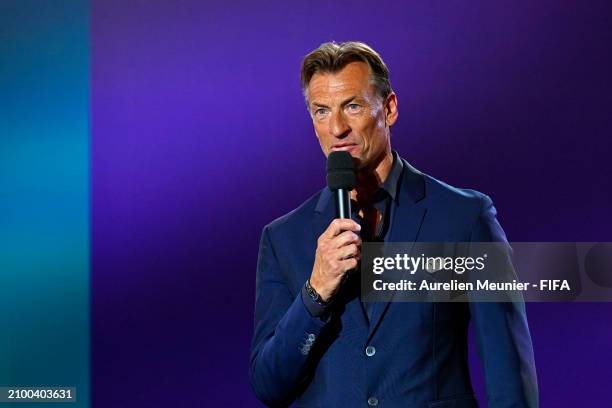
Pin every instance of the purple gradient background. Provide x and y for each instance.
(200, 138)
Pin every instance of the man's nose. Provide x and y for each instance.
(338, 126)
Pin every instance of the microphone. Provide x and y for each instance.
(341, 180)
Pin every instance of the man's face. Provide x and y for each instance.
(348, 114)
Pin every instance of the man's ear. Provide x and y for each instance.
(391, 109)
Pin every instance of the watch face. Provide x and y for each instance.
(312, 293)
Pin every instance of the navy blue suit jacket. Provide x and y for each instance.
(420, 349)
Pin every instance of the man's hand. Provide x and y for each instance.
(338, 251)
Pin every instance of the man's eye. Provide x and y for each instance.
(320, 112)
(353, 107)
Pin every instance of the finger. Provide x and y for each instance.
(341, 224)
(345, 238)
(348, 264)
(348, 251)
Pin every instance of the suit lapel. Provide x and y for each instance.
(407, 217)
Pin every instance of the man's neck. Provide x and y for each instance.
(370, 178)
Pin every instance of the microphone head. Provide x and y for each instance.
(340, 171)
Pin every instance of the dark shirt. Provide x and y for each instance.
(383, 198)
(386, 194)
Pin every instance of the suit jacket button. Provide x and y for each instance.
(370, 351)
(372, 401)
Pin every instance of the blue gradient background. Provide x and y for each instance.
(44, 195)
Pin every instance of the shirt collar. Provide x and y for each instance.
(390, 185)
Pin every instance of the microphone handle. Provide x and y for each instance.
(343, 203)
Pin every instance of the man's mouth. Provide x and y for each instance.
(344, 147)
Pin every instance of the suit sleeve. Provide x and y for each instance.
(284, 333)
(502, 335)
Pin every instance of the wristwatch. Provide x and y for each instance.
(314, 295)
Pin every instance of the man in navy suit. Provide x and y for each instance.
(315, 342)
